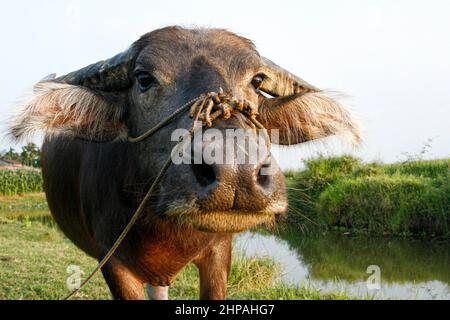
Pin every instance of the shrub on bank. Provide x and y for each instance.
(385, 204)
(401, 198)
(426, 168)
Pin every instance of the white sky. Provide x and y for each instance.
(392, 58)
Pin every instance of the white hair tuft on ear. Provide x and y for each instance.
(309, 116)
(59, 108)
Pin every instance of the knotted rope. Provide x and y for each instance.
(206, 108)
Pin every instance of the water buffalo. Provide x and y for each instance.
(94, 178)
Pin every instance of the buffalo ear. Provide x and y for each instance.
(305, 117)
(87, 103)
(300, 111)
(76, 111)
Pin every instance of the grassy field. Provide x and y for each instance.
(402, 199)
(343, 194)
(34, 257)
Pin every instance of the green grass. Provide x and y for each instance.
(396, 204)
(33, 205)
(403, 199)
(425, 168)
(20, 181)
(34, 257)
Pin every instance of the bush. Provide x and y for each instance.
(342, 191)
(304, 187)
(20, 181)
(379, 204)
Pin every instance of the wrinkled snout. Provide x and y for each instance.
(245, 182)
(228, 173)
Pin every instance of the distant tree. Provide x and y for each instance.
(30, 155)
(11, 154)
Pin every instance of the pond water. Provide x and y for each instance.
(408, 269)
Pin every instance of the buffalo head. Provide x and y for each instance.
(131, 92)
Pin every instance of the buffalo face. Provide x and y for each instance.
(132, 92)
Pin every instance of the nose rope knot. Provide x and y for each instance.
(214, 105)
(206, 108)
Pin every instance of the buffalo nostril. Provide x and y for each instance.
(204, 173)
(264, 177)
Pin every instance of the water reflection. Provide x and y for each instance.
(409, 269)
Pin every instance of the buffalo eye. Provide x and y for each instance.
(145, 80)
(257, 80)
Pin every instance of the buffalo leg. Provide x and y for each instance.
(214, 266)
(157, 293)
(122, 283)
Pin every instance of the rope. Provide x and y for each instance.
(224, 104)
(126, 230)
(163, 122)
